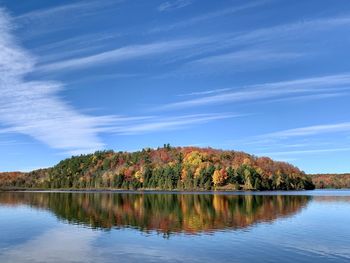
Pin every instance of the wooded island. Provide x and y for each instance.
(166, 168)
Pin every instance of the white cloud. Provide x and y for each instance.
(48, 13)
(34, 108)
(304, 98)
(212, 15)
(311, 130)
(241, 60)
(298, 152)
(284, 89)
(11, 142)
(205, 92)
(246, 56)
(170, 123)
(291, 30)
(307, 140)
(63, 244)
(75, 46)
(58, 17)
(288, 39)
(173, 5)
(122, 54)
(263, 51)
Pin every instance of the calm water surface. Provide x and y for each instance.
(132, 227)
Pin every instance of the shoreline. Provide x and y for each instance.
(157, 191)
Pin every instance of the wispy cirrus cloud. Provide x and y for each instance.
(205, 92)
(283, 89)
(311, 130)
(34, 108)
(299, 152)
(80, 45)
(292, 30)
(208, 16)
(123, 54)
(276, 40)
(158, 124)
(173, 5)
(313, 139)
(61, 10)
(303, 98)
(196, 54)
(12, 142)
(59, 17)
(241, 60)
(245, 56)
(303, 140)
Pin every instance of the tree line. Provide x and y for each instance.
(336, 181)
(166, 168)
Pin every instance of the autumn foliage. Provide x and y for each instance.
(331, 180)
(166, 168)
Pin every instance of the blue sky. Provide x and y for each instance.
(266, 77)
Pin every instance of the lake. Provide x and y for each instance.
(308, 226)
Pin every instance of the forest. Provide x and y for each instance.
(336, 181)
(164, 168)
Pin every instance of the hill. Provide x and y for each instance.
(166, 168)
(331, 180)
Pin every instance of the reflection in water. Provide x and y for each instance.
(332, 199)
(165, 213)
(48, 246)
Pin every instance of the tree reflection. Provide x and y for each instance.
(164, 213)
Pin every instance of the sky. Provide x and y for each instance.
(268, 77)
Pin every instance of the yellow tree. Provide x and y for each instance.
(138, 176)
(194, 158)
(184, 174)
(219, 177)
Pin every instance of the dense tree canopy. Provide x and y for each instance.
(167, 168)
(331, 180)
